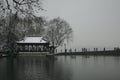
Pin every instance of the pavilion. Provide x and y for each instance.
(33, 45)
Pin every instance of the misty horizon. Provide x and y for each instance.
(95, 23)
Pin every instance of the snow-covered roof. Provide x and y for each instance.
(33, 40)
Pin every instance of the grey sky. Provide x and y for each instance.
(96, 23)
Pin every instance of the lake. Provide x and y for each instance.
(61, 68)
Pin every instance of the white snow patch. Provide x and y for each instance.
(33, 40)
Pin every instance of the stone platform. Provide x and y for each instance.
(33, 53)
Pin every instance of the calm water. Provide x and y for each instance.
(61, 68)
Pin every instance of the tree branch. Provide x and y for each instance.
(8, 6)
(23, 2)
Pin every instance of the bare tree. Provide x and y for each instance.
(37, 27)
(58, 31)
(24, 7)
(14, 9)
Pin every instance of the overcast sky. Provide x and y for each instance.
(96, 23)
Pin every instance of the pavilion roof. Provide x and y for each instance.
(33, 40)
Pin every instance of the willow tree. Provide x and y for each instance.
(15, 9)
(58, 32)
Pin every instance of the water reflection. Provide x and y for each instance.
(60, 68)
(32, 68)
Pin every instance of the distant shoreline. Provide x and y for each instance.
(114, 53)
(94, 53)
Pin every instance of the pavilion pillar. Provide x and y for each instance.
(41, 47)
(28, 47)
(19, 48)
(32, 47)
(23, 48)
(37, 48)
